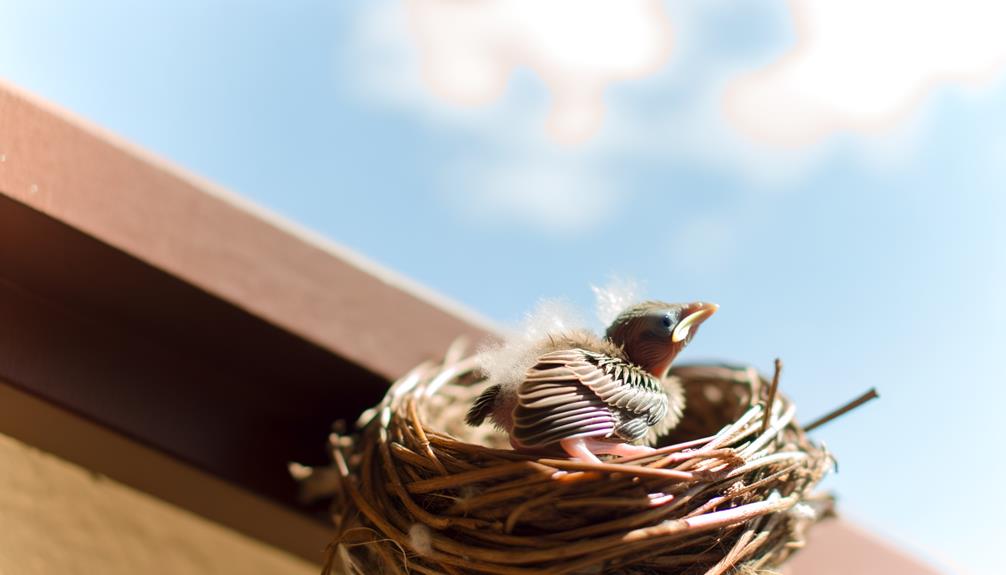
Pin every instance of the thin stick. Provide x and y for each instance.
(771, 397)
(494, 472)
(636, 470)
(871, 394)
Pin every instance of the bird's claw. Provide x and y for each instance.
(587, 449)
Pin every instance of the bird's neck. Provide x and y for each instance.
(657, 367)
(660, 372)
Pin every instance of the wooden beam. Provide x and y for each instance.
(210, 238)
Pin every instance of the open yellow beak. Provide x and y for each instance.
(695, 314)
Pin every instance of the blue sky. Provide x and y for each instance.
(861, 258)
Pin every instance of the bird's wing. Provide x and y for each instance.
(578, 393)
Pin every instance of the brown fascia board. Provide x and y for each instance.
(104, 335)
(162, 331)
(208, 237)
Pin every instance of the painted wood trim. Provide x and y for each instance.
(209, 237)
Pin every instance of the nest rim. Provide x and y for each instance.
(416, 497)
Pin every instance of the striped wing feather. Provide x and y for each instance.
(578, 393)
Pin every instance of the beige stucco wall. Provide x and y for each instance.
(56, 517)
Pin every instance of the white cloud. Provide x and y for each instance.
(695, 133)
(864, 66)
(470, 49)
(516, 174)
(858, 66)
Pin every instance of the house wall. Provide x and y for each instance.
(57, 517)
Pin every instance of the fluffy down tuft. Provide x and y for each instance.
(613, 298)
(507, 363)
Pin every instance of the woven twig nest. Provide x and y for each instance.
(422, 492)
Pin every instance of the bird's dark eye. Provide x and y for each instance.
(667, 320)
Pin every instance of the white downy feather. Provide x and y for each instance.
(507, 362)
(615, 296)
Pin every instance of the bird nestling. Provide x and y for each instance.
(598, 396)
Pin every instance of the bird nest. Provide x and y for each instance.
(731, 489)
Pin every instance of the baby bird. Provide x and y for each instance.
(598, 396)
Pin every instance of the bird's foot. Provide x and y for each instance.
(587, 449)
(628, 450)
(577, 448)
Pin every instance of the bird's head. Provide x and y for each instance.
(652, 333)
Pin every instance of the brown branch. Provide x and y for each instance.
(871, 394)
(771, 397)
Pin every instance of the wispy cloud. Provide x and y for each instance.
(865, 66)
(468, 51)
(857, 67)
(418, 55)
